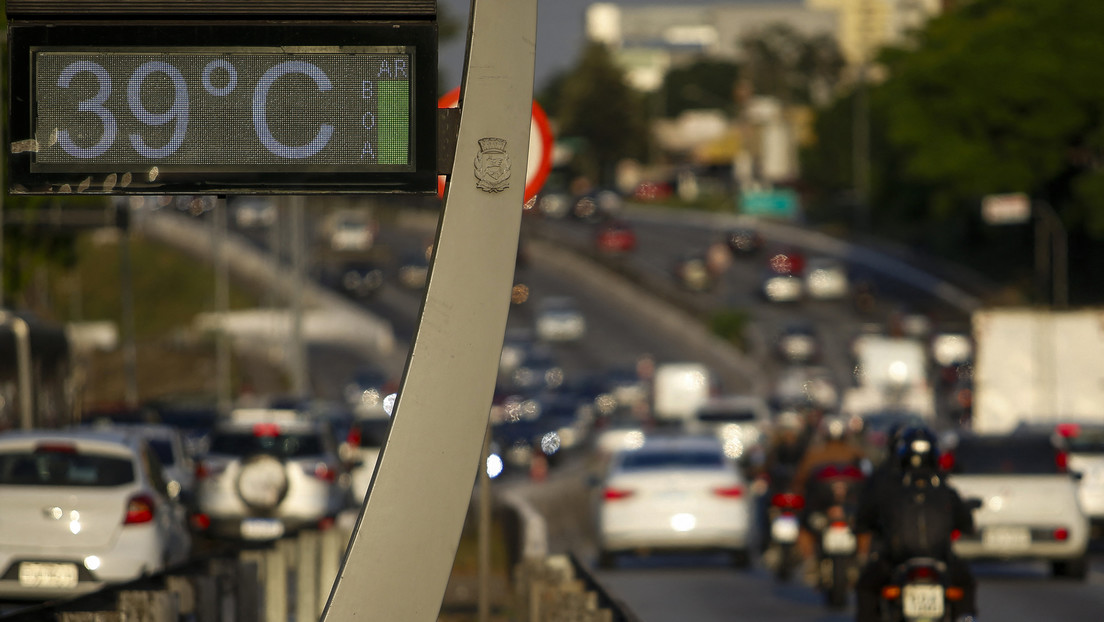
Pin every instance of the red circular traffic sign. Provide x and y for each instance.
(540, 147)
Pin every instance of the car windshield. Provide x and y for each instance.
(280, 445)
(373, 432)
(727, 416)
(1006, 455)
(164, 450)
(694, 459)
(64, 469)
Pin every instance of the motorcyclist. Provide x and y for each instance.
(785, 451)
(888, 535)
(884, 476)
(833, 448)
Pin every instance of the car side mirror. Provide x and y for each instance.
(974, 504)
(1076, 475)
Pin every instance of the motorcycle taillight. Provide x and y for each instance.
(788, 501)
(921, 572)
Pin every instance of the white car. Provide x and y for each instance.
(558, 318)
(1029, 504)
(826, 279)
(83, 508)
(268, 473)
(674, 493)
(361, 450)
(782, 287)
(739, 421)
(170, 447)
(1085, 443)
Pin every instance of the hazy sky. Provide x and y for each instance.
(559, 33)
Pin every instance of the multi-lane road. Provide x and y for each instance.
(625, 322)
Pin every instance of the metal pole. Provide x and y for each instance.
(126, 279)
(1060, 245)
(1042, 250)
(222, 307)
(298, 350)
(22, 334)
(1051, 254)
(403, 545)
(861, 152)
(484, 597)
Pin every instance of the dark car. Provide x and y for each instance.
(744, 241)
(615, 236)
(356, 279)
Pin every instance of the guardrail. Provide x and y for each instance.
(290, 579)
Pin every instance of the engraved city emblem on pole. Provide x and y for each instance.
(492, 165)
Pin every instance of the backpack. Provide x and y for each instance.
(919, 518)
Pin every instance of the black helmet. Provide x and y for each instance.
(917, 449)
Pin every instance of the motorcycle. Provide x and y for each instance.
(831, 522)
(782, 551)
(920, 592)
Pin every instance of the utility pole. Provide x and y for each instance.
(222, 307)
(298, 354)
(126, 280)
(861, 124)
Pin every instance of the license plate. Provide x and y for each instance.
(41, 574)
(261, 529)
(784, 529)
(1006, 538)
(838, 540)
(922, 601)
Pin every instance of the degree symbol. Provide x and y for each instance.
(231, 82)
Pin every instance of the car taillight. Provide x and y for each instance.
(946, 461)
(204, 469)
(139, 510)
(324, 472)
(1068, 430)
(55, 448)
(1061, 534)
(201, 521)
(729, 492)
(1061, 460)
(955, 534)
(616, 494)
(266, 430)
(353, 438)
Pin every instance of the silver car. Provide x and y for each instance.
(268, 473)
(83, 508)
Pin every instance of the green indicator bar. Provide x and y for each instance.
(394, 121)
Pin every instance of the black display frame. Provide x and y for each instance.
(179, 35)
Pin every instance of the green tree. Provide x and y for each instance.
(795, 68)
(596, 104)
(703, 84)
(1005, 95)
(994, 96)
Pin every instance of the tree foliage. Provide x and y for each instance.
(1003, 96)
(994, 96)
(795, 68)
(597, 104)
(702, 84)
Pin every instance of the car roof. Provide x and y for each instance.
(678, 442)
(730, 402)
(112, 440)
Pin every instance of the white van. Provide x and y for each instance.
(680, 389)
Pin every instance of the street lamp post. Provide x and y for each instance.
(21, 332)
(1051, 253)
